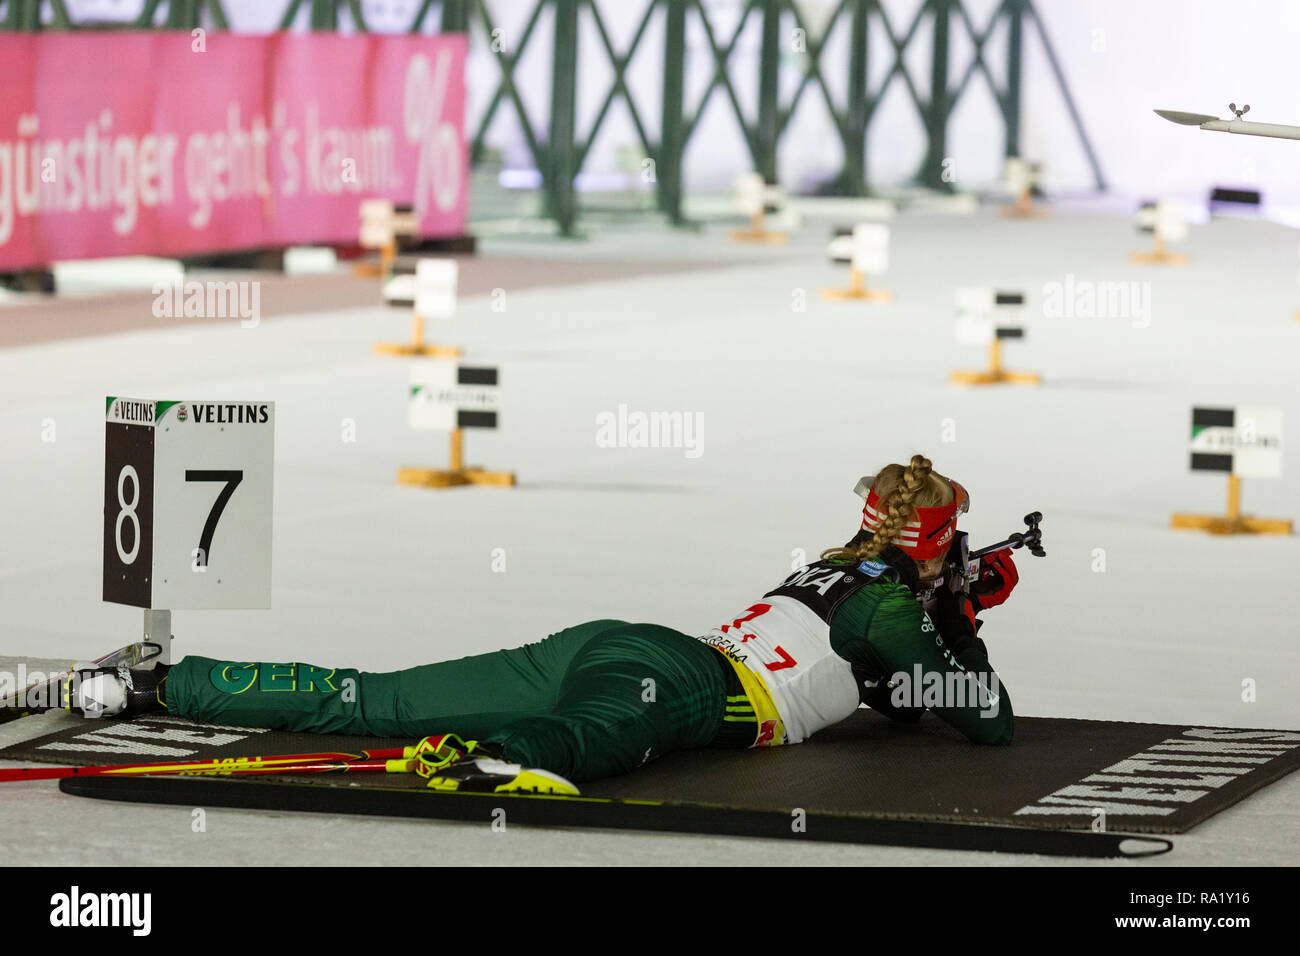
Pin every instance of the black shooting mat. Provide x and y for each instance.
(1147, 778)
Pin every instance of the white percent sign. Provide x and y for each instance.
(439, 163)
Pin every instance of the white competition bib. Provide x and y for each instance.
(785, 640)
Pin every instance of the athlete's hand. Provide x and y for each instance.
(996, 579)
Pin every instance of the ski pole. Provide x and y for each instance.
(390, 760)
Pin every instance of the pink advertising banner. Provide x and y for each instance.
(167, 143)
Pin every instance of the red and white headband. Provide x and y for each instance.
(930, 531)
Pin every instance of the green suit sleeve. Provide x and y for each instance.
(893, 636)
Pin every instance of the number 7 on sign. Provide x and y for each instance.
(232, 480)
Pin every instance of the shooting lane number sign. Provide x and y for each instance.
(187, 503)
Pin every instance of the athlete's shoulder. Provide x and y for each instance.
(888, 598)
(896, 601)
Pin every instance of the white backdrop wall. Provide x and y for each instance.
(1121, 58)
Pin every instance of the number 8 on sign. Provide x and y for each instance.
(128, 513)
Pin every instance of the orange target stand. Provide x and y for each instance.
(1234, 522)
(857, 289)
(864, 248)
(1020, 178)
(755, 198)
(417, 346)
(383, 224)
(1165, 221)
(429, 291)
(448, 396)
(455, 473)
(995, 374)
(1159, 255)
(1244, 442)
(987, 315)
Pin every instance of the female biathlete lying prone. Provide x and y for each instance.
(604, 697)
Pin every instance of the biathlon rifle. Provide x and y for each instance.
(1032, 538)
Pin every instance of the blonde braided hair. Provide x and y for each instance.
(902, 489)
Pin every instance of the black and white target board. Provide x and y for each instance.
(985, 313)
(1245, 441)
(1164, 218)
(430, 289)
(1020, 176)
(446, 395)
(187, 503)
(865, 247)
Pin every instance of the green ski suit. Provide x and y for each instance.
(593, 700)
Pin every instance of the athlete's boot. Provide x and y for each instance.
(471, 766)
(113, 691)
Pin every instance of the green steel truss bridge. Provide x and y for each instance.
(559, 149)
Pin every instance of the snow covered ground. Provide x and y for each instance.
(795, 406)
